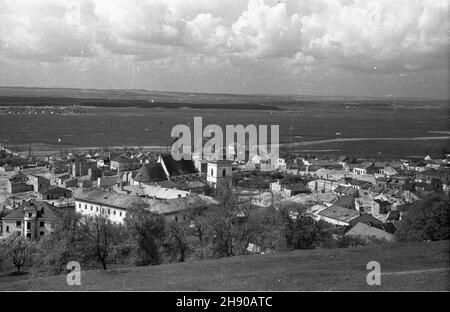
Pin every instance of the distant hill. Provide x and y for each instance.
(411, 266)
(186, 97)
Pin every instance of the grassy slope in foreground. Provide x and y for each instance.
(327, 269)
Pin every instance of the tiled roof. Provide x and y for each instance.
(44, 210)
(339, 213)
(175, 205)
(55, 190)
(109, 181)
(365, 230)
(111, 199)
(178, 167)
(153, 172)
(156, 191)
(345, 200)
(167, 206)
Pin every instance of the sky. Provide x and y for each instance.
(380, 48)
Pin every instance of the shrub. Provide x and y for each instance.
(427, 219)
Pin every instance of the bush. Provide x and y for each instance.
(427, 219)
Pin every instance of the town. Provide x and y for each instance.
(356, 198)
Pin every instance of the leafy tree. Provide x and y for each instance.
(20, 250)
(228, 227)
(146, 231)
(427, 219)
(66, 243)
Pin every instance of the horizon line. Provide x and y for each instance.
(230, 93)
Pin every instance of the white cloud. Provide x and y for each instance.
(399, 35)
(247, 38)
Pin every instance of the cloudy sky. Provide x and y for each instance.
(317, 47)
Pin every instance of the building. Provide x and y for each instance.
(380, 206)
(345, 190)
(346, 201)
(398, 183)
(182, 169)
(337, 215)
(81, 168)
(150, 174)
(219, 173)
(31, 219)
(39, 183)
(55, 193)
(152, 191)
(18, 184)
(366, 232)
(94, 173)
(364, 168)
(287, 190)
(320, 185)
(124, 163)
(116, 206)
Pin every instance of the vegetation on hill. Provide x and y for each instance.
(427, 219)
(404, 266)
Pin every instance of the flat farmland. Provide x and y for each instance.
(305, 123)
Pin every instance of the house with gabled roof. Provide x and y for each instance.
(32, 219)
(366, 231)
(338, 215)
(364, 168)
(182, 169)
(18, 184)
(116, 206)
(150, 174)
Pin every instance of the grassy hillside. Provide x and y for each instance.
(412, 266)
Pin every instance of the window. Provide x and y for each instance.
(109, 211)
(28, 225)
(79, 205)
(212, 171)
(224, 172)
(7, 229)
(28, 235)
(85, 206)
(114, 212)
(42, 223)
(41, 233)
(96, 209)
(30, 215)
(91, 207)
(18, 223)
(120, 214)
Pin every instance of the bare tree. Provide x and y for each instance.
(103, 237)
(3, 251)
(20, 250)
(229, 226)
(177, 239)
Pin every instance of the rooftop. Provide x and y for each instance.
(339, 213)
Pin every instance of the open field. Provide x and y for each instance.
(412, 266)
(353, 126)
(309, 126)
